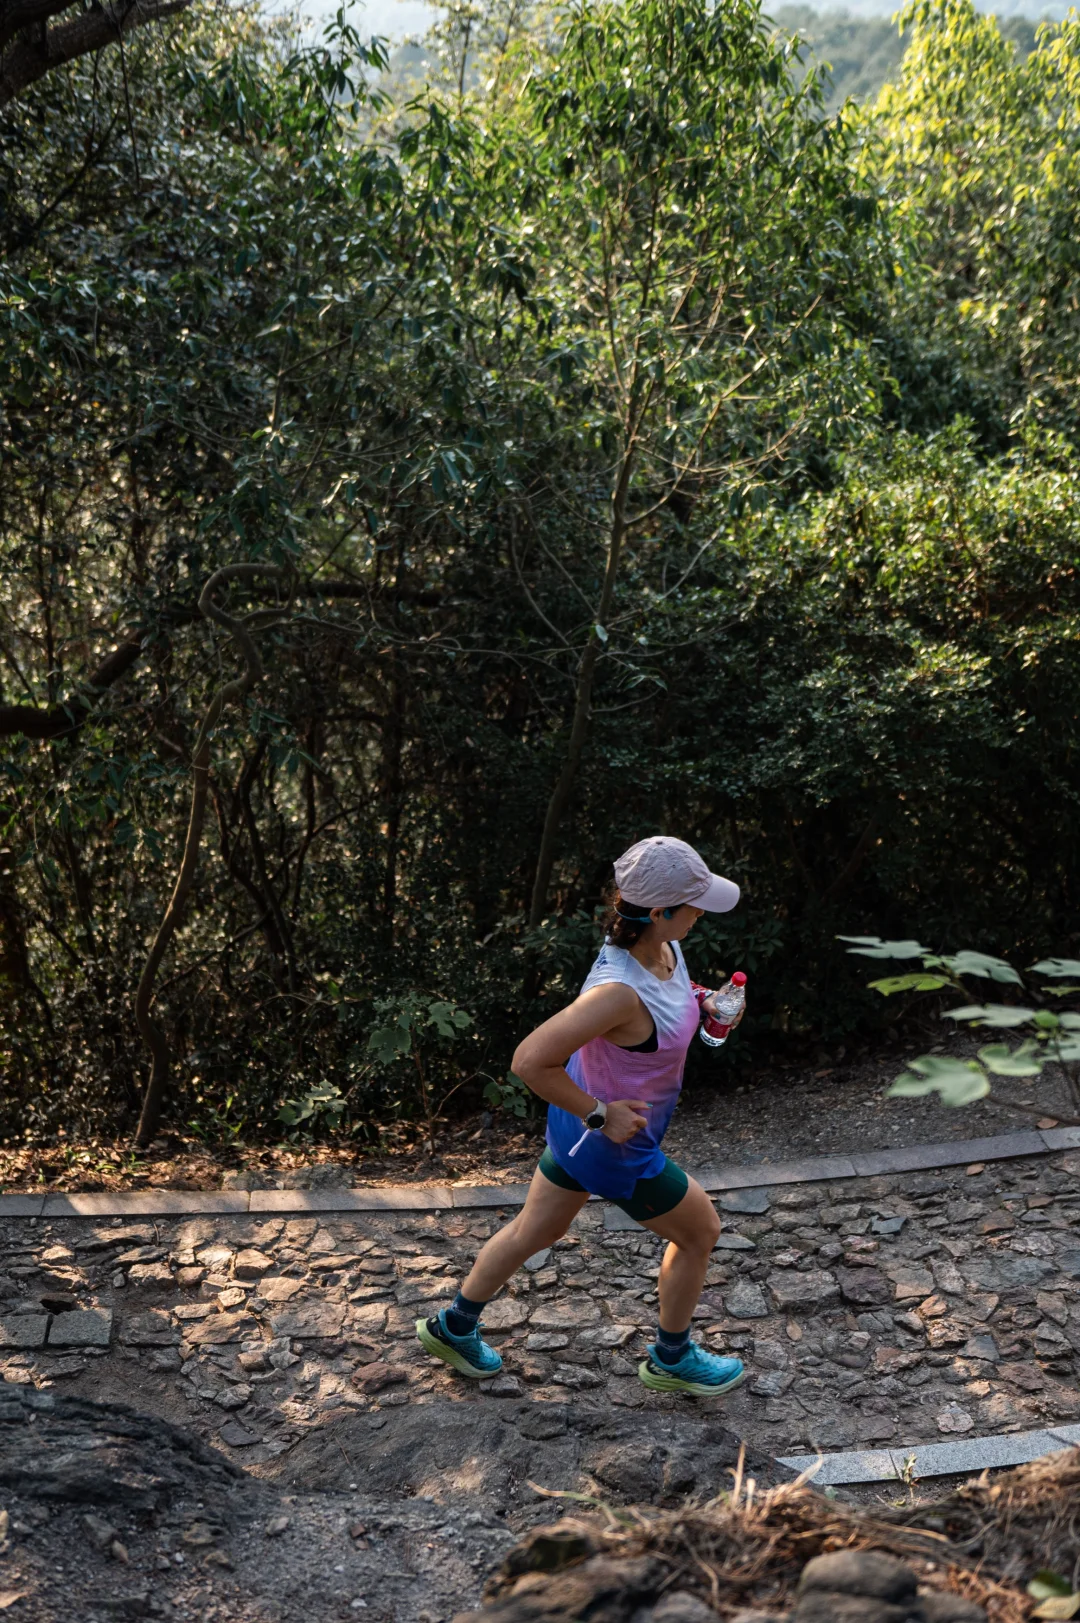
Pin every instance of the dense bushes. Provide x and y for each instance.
(840, 656)
(878, 720)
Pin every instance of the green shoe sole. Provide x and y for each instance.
(671, 1383)
(449, 1355)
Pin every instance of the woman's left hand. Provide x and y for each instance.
(709, 1005)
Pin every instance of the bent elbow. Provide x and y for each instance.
(523, 1064)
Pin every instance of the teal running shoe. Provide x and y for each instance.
(469, 1355)
(703, 1374)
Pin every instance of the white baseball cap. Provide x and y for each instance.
(663, 872)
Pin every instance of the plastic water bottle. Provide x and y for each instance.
(729, 1004)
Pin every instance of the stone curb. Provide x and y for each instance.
(437, 1198)
(961, 1458)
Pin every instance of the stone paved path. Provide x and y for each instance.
(877, 1310)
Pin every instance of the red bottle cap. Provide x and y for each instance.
(738, 979)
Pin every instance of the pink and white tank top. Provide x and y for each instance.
(609, 1072)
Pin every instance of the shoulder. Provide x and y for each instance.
(612, 995)
(610, 964)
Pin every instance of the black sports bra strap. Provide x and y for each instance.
(649, 1046)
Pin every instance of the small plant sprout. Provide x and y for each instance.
(1055, 1595)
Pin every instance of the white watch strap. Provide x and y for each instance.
(600, 1109)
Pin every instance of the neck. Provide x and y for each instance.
(648, 949)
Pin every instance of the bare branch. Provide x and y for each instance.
(64, 719)
(31, 49)
(60, 720)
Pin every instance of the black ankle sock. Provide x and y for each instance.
(461, 1315)
(671, 1344)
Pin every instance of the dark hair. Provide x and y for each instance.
(620, 931)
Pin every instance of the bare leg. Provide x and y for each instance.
(545, 1217)
(693, 1229)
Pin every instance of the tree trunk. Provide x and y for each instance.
(282, 936)
(579, 726)
(16, 981)
(393, 744)
(564, 786)
(30, 48)
(150, 1031)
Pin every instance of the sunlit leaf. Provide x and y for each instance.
(872, 946)
(909, 983)
(991, 1014)
(1027, 1060)
(1058, 1606)
(959, 1082)
(978, 963)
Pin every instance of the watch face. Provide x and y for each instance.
(594, 1121)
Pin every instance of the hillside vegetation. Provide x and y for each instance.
(408, 500)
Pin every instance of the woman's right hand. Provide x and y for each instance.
(623, 1120)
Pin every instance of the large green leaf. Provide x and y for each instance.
(959, 1082)
(448, 1020)
(872, 946)
(1066, 1048)
(909, 983)
(978, 963)
(389, 1043)
(1057, 968)
(991, 1014)
(1027, 1060)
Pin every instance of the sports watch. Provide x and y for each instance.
(597, 1116)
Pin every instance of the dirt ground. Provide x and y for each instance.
(397, 1517)
(825, 1104)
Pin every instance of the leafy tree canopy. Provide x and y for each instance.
(613, 438)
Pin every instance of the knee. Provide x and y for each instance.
(707, 1232)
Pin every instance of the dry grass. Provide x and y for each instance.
(1019, 1521)
(747, 1548)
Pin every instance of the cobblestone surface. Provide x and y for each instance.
(874, 1311)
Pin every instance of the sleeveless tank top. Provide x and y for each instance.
(609, 1072)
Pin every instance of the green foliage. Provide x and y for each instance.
(400, 348)
(511, 1096)
(906, 983)
(402, 1025)
(984, 303)
(1055, 1037)
(958, 1082)
(322, 1105)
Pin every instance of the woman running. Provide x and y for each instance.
(609, 1106)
